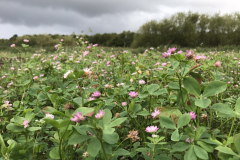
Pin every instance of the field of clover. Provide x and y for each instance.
(91, 104)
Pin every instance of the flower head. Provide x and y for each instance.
(106, 86)
(172, 50)
(50, 116)
(180, 52)
(120, 84)
(164, 64)
(142, 82)
(78, 117)
(87, 71)
(124, 103)
(86, 154)
(117, 115)
(100, 114)
(35, 78)
(91, 98)
(193, 115)
(68, 72)
(217, 64)
(96, 94)
(25, 40)
(133, 135)
(12, 45)
(189, 54)
(155, 113)
(57, 45)
(151, 129)
(199, 58)
(7, 103)
(204, 116)
(133, 94)
(154, 135)
(189, 141)
(85, 53)
(108, 63)
(55, 58)
(94, 62)
(166, 54)
(25, 123)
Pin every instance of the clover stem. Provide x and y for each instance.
(232, 126)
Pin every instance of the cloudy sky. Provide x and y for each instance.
(102, 16)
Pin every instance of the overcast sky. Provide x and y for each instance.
(102, 16)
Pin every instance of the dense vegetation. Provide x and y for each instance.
(48, 41)
(191, 30)
(92, 104)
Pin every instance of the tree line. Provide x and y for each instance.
(190, 30)
(181, 29)
(47, 40)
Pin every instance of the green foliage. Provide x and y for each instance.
(71, 105)
(189, 29)
(192, 86)
(203, 103)
(214, 87)
(94, 147)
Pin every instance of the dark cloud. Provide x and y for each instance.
(89, 8)
(100, 15)
(34, 16)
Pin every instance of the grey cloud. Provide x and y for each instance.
(34, 16)
(88, 8)
(73, 12)
(33, 13)
(100, 15)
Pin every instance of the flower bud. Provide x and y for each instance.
(117, 115)
(204, 117)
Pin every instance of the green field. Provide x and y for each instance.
(93, 102)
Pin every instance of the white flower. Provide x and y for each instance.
(87, 70)
(142, 81)
(68, 72)
(40, 121)
(50, 116)
(154, 135)
(120, 84)
(134, 73)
